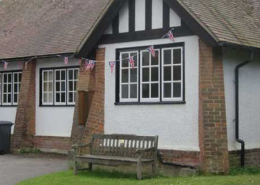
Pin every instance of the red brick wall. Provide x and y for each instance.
(252, 158)
(181, 157)
(24, 129)
(57, 143)
(212, 112)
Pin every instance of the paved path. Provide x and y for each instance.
(14, 169)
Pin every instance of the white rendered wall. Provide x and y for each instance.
(157, 14)
(176, 125)
(249, 99)
(139, 15)
(8, 113)
(124, 18)
(52, 121)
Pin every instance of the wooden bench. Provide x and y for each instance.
(115, 150)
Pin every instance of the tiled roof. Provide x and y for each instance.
(44, 27)
(232, 21)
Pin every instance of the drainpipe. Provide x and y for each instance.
(242, 158)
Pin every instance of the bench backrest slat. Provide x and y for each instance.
(122, 145)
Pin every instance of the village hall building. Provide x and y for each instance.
(185, 70)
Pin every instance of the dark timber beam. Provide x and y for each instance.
(107, 18)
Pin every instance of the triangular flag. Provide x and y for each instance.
(152, 51)
(131, 61)
(112, 66)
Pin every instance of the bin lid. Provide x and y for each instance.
(6, 123)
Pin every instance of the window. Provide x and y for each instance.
(59, 86)
(129, 77)
(16, 86)
(153, 79)
(10, 87)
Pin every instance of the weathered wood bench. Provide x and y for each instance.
(115, 150)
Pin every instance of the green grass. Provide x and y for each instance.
(117, 178)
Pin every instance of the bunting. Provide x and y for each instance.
(152, 51)
(112, 66)
(131, 61)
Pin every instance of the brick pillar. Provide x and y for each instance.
(86, 82)
(24, 129)
(212, 111)
(94, 81)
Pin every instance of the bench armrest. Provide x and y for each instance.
(75, 147)
(141, 151)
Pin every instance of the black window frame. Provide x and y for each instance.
(40, 85)
(1, 93)
(160, 47)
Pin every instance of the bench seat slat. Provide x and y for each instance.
(113, 158)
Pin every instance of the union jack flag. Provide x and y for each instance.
(20, 64)
(86, 64)
(80, 61)
(25, 66)
(112, 65)
(91, 64)
(66, 60)
(152, 51)
(170, 35)
(5, 65)
(131, 61)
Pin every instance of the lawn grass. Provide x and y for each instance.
(117, 178)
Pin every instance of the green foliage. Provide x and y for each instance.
(245, 171)
(100, 177)
(29, 151)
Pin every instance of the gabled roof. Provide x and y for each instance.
(235, 22)
(45, 27)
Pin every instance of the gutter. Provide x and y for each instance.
(242, 142)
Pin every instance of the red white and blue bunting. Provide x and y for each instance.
(90, 64)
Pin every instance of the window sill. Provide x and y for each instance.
(150, 103)
(8, 106)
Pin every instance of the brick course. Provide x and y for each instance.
(48, 142)
(212, 111)
(252, 158)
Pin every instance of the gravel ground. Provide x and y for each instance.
(16, 168)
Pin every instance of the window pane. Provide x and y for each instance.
(146, 74)
(57, 97)
(9, 77)
(50, 97)
(9, 87)
(155, 74)
(57, 86)
(124, 91)
(9, 98)
(63, 75)
(50, 87)
(63, 85)
(177, 56)
(76, 74)
(70, 74)
(45, 76)
(57, 75)
(15, 87)
(155, 61)
(146, 90)
(15, 98)
(15, 77)
(154, 90)
(133, 77)
(167, 57)
(167, 73)
(63, 97)
(167, 90)
(50, 75)
(70, 86)
(176, 90)
(125, 75)
(133, 93)
(146, 58)
(176, 72)
(125, 60)
(71, 97)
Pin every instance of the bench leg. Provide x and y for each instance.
(90, 166)
(75, 167)
(139, 170)
(154, 168)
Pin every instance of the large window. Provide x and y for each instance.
(152, 79)
(10, 87)
(59, 86)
